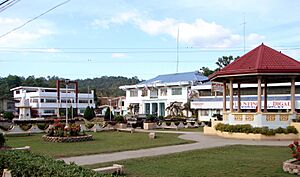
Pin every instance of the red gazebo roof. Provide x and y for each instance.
(262, 60)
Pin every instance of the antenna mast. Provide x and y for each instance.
(177, 62)
(244, 24)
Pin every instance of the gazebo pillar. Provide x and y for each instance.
(293, 90)
(224, 97)
(259, 94)
(231, 95)
(266, 97)
(239, 97)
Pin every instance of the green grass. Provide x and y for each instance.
(104, 142)
(228, 161)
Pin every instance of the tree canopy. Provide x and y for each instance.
(103, 86)
(221, 63)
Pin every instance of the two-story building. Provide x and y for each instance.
(153, 96)
(44, 101)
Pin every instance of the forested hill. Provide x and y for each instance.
(104, 86)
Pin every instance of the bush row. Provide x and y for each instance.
(247, 128)
(27, 164)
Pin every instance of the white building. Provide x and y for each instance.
(154, 95)
(45, 103)
(209, 102)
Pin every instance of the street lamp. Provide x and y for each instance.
(109, 109)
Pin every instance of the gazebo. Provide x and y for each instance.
(262, 65)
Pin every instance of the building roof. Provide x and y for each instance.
(186, 78)
(261, 60)
(177, 77)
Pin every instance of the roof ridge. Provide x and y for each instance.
(259, 57)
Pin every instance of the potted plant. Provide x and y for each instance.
(121, 122)
(149, 123)
(293, 165)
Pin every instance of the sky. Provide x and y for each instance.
(88, 39)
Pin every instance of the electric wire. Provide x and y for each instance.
(19, 27)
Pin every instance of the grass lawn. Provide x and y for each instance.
(104, 142)
(228, 161)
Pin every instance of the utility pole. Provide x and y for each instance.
(177, 61)
(244, 27)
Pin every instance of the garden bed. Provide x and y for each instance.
(292, 166)
(70, 139)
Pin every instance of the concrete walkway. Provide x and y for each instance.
(202, 142)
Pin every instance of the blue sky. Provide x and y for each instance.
(87, 39)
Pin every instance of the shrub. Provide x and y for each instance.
(150, 118)
(22, 163)
(25, 127)
(280, 130)
(119, 119)
(43, 126)
(8, 115)
(291, 129)
(108, 114)
(59, 130)
(2, 140)
(295, 150)
(88, 113)
(247, 128)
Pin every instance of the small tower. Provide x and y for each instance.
(24, 108)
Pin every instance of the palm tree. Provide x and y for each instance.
(187, 108)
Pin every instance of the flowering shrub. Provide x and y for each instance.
(59, 130)
(296, 149)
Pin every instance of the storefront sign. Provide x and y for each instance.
(244, 105)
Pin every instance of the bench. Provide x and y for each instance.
(131, 130)
(115, 169)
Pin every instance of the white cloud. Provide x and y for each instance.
(199, 33)
(24, 35)
(118, 55)
(119, 19)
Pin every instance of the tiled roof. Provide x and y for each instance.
(177, 77)
(262, 59)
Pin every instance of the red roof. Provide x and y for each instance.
(262, 59)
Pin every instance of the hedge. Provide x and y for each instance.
(22, 163)
(247, 128)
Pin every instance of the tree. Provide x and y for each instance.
(8, 115)
(187, 108)
(206, 71)
(224, 61)
(108, 114)
(88, 114)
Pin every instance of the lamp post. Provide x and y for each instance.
(109, 109)
(67, 123)
(72, 114)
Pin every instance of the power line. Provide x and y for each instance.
(127, 51)
(8, 4)
(17, 28)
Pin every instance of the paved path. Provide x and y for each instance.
(202, 142)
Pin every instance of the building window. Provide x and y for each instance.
(18, 92)
(133, 93)
(203, 112)
(163, 91)
(145, 92)
(50, 100)
(83, 101)
(49, 111)
(34, 100)
(176, 91)
(154, 93)
(42, 100)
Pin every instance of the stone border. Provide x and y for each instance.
(288, 166)
(67, 139)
